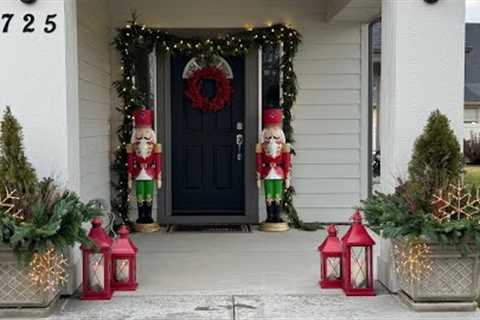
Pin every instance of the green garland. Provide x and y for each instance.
(134, 37)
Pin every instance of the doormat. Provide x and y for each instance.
(219, 228)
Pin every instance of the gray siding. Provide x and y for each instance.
(95, 99)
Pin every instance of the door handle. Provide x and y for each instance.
(239, 139)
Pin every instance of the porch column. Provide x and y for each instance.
(422, 70)
(39, 81)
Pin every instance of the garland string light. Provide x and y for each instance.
(134, 38)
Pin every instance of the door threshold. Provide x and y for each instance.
(210, 228)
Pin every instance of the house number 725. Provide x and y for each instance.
(49, 24)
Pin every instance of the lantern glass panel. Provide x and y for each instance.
(333, 268)
(358, 264)
(96, 276)
(122, 270)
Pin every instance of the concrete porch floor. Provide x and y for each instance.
(228, 263)
(236, 276)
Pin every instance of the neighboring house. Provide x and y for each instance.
(59, 86)
(472, 80)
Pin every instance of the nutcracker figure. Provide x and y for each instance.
(273, 167)
(144, 167)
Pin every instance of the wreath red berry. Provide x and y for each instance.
(223, 92)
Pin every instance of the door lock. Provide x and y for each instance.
(239, 139)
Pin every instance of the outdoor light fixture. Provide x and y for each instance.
(431, 1)
(124, 256)
(29, 1)
(331, 260)
(97, 264)
(358, 259)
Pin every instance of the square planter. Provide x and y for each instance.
(453, 279)
(16, 288)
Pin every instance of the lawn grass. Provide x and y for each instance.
(472, 175)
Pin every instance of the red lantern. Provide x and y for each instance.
(331, 260)
(124, 256)
(97, 264)
(358, 259)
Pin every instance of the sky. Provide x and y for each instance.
(473, 11)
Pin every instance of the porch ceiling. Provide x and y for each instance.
(230, 13)
(352, 10)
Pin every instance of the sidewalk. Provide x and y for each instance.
(210, 276)
(282, 307)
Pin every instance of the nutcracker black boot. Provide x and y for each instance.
(148, 212)
(141, 212)
(277, 212)
(270, 217)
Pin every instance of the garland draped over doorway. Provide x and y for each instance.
(133, 37)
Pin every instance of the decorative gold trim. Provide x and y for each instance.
(286, 147)
(147, 227)
(129, 148)
(158, 148)
(274, 227)
(258, 148)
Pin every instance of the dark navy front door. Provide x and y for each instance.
(207, 164)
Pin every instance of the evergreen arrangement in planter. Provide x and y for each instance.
(433, 220)
(38, 222)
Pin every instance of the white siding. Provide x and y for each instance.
(95, 80)
(328, 171)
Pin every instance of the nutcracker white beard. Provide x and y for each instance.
(273, 148)
(143, 139)
(143, 148)
(273, 139)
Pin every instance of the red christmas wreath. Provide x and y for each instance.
(223, 90)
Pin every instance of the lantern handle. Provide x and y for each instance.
(332, 230)
(123, 231)
(356, 217)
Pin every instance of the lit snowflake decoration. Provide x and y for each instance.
(457, 205)
(48, 270)
(10, 204)
(412, 260)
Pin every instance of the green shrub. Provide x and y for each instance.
(436, 160)
(48, 217)
(16, 172)
(410, 211)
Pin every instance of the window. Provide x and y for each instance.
(271, 57)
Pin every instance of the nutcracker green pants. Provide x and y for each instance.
(144, 190)
(273, 190)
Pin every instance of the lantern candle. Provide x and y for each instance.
(96, 278)
(122, 270)
(333, 269)
(359, 267)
